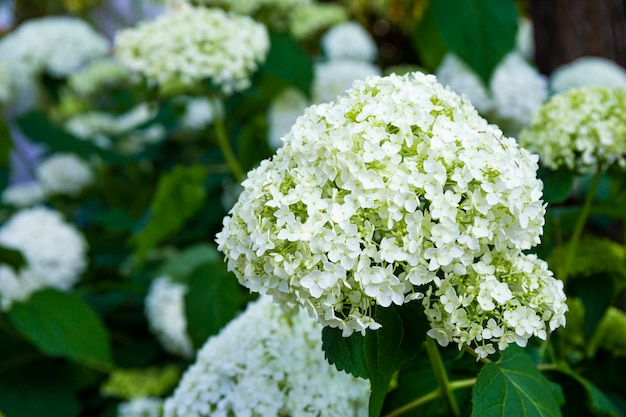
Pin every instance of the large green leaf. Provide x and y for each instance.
(187, 260)
(427, 41)
(179, 194)
(380, 353)
(514, 387)
(213, 299)
(557, 185)
(60, 324)
(597, 402)
(481, 32)
(288, 62)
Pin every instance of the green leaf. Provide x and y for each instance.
(6, 145)
(597, 402)
(60, 324)
(289, 62)
(186, 261)
(427, 42)
(597, 294)
(481, 32)
(213, 299)
(380, 353)
(12, 257)
(557, 185)
(179, 194)
(514, 387)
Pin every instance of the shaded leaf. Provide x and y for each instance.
(213, 299)
(481, 32)
(380, 353)
(186, 261)
(285, 50)
(179, 194)
(427, 41)
(514, 387)
(597, 402)
(12, 257)
(60, 324)
(557, 185)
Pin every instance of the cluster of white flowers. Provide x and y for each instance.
(516, 89)
(333, 78)
(267, 363)
(130, 136)
(141, 407)
(63, 174)
(587, 71)
(310, 19)
(283, 113)
(501, 299)
(190, 45)
(582, 129)
(391, 188)
(165, 311)
(349, 40)
(23, 194)
(54, 250)
(55, 45)
(199, 112)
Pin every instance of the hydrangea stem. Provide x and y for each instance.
(227, 150)
(580, 225)
(441, 375)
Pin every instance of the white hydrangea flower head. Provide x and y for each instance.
(332, 78)
(518, 90)
(23, 195)
(165, 311)
(55, 45)
(282, 114)
(63, 174)
(503, 298)
(308, 20)
(582, 129)
(199, 112)
(267, 363)
(387, 189)
(349, 40)
(55, 253)
(193, 44)
(141, 407)
(457, 75)
(587, 71)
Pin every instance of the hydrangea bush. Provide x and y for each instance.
(397, 185)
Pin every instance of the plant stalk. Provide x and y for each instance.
(227, 150)
(441, 375)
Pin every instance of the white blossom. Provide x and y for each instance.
(310, 19)
(140, 407)
(165, 311)
(349, 40)
(97, 74)
(267, 362)
(190, 45)
(392, 186)
(457, 75)
(587, 71)
(282, 114)
(23, 195)
(55, 254)
(333, 78)
(63, 174)
(581, 129)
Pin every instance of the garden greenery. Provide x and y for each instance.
(308, 208)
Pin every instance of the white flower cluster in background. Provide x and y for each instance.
(55, 45)
(349, 40)
(141, 407)
(397, 185)
(587, 71)
(7, 86)
(283, 113)
(274, 13)
(582, 129)
(332, 78)
(165, 311)
(98, 74)
(190, 45)
(123, 132)
(54, 250)
(63, 174)
(499, 300)
(309, 20)
(516, 89)
(23, 194)
(267, 363)
(199, 112)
